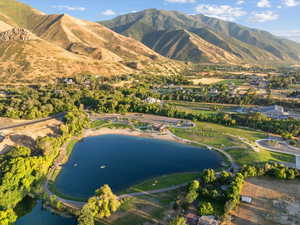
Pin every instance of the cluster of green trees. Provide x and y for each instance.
(217, 93)
(281, 82)
(225, 188)
(178, 221)
(23, 169)
(99, 96)
(102, 205)
(207, 190)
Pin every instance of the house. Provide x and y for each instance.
(208, 220)
(151, 100)
(68, 81)
(160, 127)
(193, 219)
(275, 111)
(246, 199)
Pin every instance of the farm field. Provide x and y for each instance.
(275, 202)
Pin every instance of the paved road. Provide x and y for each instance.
(56, 116)
(153, 192)
(282, 147)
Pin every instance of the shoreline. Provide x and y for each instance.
(130, 132)
(167, 136)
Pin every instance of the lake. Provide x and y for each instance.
(122, 161)
(40, 216)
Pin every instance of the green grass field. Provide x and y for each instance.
(218, 136)
(162, 182)
(245, 156)
(151, 208)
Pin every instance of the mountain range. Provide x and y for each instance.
(40, 47)
(34, 45)
(199, 38)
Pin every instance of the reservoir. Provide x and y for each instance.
(122, 161)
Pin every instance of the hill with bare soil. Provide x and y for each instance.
(65, 46)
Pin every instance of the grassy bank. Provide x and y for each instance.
(53, 189)
(245, 156)
(162, 182)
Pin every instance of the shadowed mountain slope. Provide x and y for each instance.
(241, 44)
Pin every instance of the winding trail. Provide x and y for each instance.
(282, 148)
(56, 116)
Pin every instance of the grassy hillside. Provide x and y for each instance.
(249, 45)
(18, 12)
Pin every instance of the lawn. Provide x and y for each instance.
(163, 182)
(218, 136)
(149, 208)
(245, 156)
(98, 123)
(202, 107)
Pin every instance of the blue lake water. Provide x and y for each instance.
(122, 161)
(40, 216)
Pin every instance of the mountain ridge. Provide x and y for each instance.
(79, 46)
(249, 44)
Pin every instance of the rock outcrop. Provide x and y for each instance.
(17, 34)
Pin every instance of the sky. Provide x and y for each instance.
(280, 17)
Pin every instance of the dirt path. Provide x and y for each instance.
(59, 115)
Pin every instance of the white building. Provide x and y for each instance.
(246, 199)
(151, 100)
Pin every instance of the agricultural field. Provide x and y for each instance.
(274, 202)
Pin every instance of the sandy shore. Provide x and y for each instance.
(130, 132)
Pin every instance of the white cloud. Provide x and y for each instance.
(264, 4)
(263, 16)
(224, 12)
(290, 34)
(108, 12)
(240, 2)
(291, 3)
(69, 8)
(181, 1)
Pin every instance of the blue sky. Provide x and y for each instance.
(281, 17)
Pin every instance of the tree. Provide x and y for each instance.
(178, 221)
(104, 203)
(86, 216)
(209, 176)
(195, 184)
(7, 217)
(191, 196)
(206, 208)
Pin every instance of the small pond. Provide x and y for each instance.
(122, 161)
(41, 216)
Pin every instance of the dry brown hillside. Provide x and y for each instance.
(33, 58)
(65, 46)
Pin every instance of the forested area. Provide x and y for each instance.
(218, 195)
(101, 97)
(23, 170)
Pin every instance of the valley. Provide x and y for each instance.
(152, 117)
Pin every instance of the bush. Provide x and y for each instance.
(206, 208)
